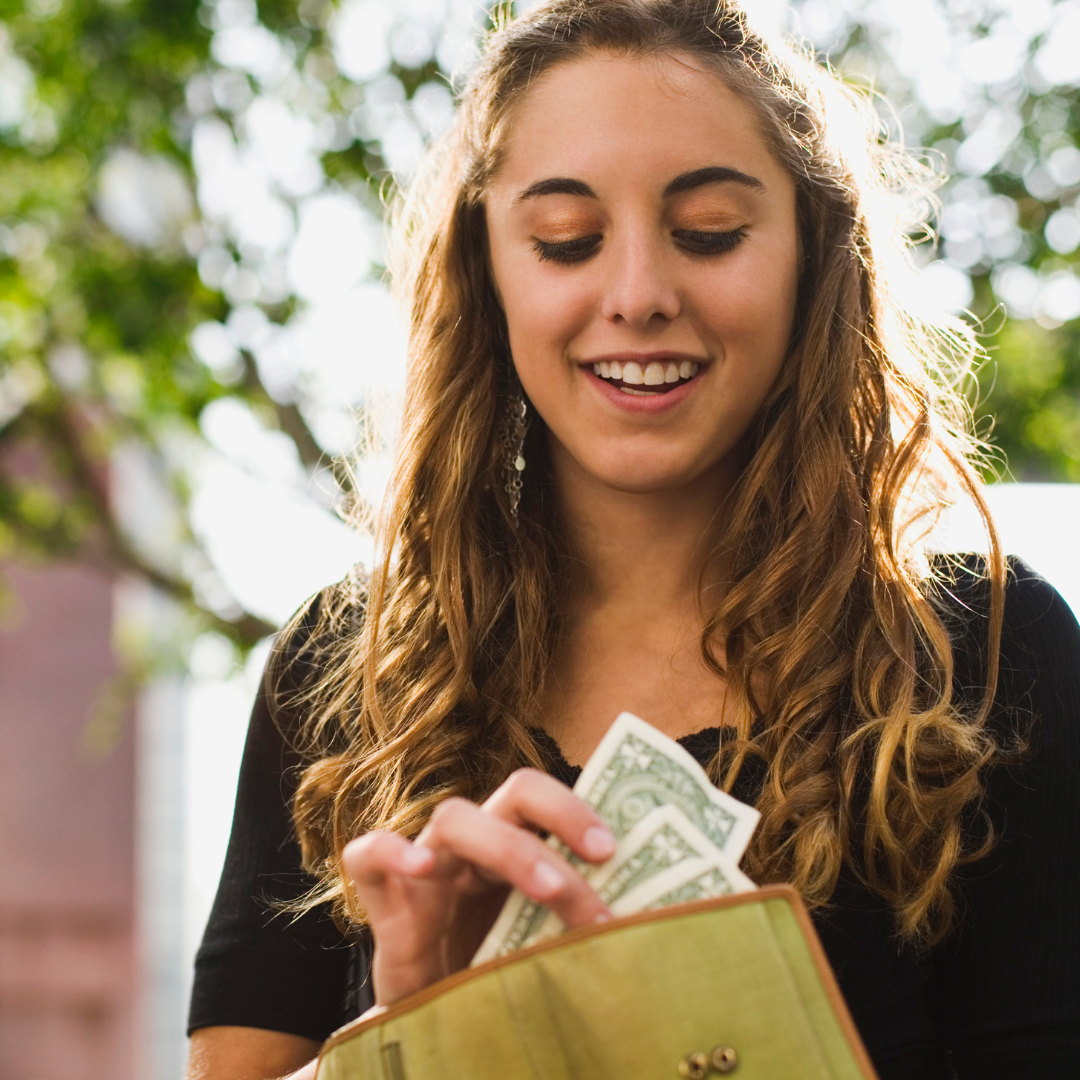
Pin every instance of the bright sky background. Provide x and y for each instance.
(267, 525)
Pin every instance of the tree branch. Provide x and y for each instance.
(248, 629)
(290, 418)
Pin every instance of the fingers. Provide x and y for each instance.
(493, 843)
(371, 857)
(376, 862)
(408, 911)
(532, 798)
(469, 833)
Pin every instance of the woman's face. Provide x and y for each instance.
(643, 245)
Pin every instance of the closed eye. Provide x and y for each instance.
(709, 243)
(691, 240)
(567, 251)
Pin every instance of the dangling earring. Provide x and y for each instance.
(513, 443)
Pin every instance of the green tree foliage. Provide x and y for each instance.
(94, 324)
(1030, 389)
(992, 89)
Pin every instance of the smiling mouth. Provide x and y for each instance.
(656, 377)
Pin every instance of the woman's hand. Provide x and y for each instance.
(431, 901)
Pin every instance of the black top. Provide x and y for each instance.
(1000, 999)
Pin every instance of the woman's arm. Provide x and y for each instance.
(244, 1053)
(260, 970)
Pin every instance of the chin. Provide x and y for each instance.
(651, 482)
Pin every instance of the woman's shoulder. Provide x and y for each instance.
(1036, 616)
(313, 639)
(1038, 686)
(333, 612)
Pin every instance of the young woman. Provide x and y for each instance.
(671, 441)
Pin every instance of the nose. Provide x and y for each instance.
(640, 290)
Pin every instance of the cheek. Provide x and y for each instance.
(544, 309)
(749, 305)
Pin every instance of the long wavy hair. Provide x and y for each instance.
(424, 679)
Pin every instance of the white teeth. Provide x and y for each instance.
(654, 374)
(636, 393)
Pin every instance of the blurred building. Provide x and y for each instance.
(68, 932)
(93, 979)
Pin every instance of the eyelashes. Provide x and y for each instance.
(709, 243)
(692, 241)
(568, 251)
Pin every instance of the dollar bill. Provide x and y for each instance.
(635, 770)
(663, 841)
(661, 851)
(704, 883)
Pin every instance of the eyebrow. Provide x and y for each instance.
(557, 185)
(710, 174)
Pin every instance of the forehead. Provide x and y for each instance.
(637, 118)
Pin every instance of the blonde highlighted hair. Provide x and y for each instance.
(427, 677)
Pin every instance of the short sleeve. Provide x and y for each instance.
(257, 966)
(1008, 989)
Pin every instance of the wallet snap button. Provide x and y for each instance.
(723, 1059)
(694, 1066)
(698, 1066)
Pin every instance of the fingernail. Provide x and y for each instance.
(416, 858)
(598, 842)
(546, 879)
(604, 916)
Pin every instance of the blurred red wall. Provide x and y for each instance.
(67, 837)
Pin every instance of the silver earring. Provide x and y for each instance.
(513, 444)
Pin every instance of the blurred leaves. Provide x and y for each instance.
(993, 88)
(99, 290)
(1030, 390)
